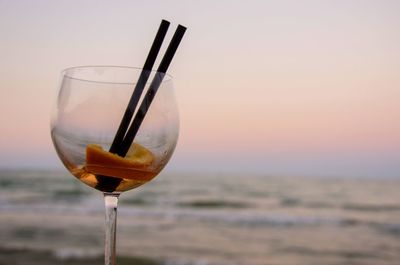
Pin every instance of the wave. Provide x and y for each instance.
(64, 256)
(387, 228)
(237, 215)
(214, 204)
(371, 207)
(240, 218)
(364, 207)
(348, 254)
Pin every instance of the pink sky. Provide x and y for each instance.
(288, 87)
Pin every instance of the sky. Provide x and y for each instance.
(299, 88)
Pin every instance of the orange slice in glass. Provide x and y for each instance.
(135, 165)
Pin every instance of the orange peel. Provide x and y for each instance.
(135, 165)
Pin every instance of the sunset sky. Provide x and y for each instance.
(270, 87)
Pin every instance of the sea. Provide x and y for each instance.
(49, 217)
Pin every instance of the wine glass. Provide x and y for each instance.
(89, 107)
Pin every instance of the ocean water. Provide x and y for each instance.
(49, 217)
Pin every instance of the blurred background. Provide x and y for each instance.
(289, 149)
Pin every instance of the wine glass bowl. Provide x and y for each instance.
(89, 107)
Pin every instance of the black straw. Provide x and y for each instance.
(151, 92)
(122, 140)
(137, 92)
(107, 184)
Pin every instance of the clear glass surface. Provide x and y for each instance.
(90, 104)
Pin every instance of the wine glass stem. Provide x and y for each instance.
(111, 203)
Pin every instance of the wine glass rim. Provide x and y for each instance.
(64, 73)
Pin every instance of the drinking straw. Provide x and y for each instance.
(151, 92)
(120, 144)
(110, 184)
(137, 92)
